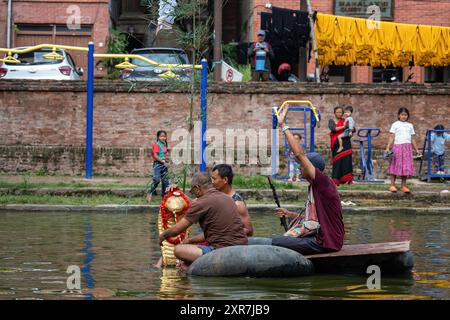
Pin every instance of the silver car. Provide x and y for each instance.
(33, 65)
(147, 72)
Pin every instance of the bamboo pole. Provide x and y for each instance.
(313, 38)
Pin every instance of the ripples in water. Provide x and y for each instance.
(116, 253)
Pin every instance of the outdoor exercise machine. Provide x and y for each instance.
(366, 162)
(310, 115)
(53, 55)
(427, 147)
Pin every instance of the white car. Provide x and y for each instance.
(33, 65)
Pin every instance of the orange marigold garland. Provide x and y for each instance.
(167, 214)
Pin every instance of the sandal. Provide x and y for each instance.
(406, 190)
(393, 189)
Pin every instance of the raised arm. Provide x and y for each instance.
(307, 167)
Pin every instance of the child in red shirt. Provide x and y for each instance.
(160, 158)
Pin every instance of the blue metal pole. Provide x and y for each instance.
(362, 161)
(203, 113)
(429, 156)
(369, 155)
(89, 110)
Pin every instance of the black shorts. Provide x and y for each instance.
(305, 245)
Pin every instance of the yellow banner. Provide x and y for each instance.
(355, 41)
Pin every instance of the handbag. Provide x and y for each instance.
(310, 224)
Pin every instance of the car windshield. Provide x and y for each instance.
(166, 57)
(35, 58)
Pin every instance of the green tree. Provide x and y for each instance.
(192, 28)
(117, 44)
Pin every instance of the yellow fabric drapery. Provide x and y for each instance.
(355, 41)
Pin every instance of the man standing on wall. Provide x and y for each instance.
(260, 53)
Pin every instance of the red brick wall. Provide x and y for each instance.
(436, 13)
(49, 117)
(3, 17)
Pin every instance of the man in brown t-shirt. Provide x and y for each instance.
(217, 215)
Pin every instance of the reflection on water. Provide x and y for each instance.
(116, 253)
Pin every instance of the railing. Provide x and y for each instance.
(427, 146)
(314, 120)
(366, 163)
(53, 55)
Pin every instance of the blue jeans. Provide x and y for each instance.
(206, 249)
(439, 162)
(160, 174)
(294, 169)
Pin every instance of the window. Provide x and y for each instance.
(71, 61)
(437, 75)
(388, 75)
(162, 56)
(336, 74)
(51, 28)
(35, 57)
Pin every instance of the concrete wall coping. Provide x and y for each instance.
(232, 88)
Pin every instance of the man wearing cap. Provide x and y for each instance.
(320, 228)
(260, 53)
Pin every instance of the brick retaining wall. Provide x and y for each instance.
(43, 122)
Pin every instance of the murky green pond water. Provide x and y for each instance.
(116, 253)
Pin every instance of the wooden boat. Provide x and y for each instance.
(391, 257)
(262, 260)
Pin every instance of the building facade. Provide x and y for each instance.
(77, 22)
(64, 22)
(430, 12)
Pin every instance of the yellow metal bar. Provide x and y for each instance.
(10, 59)
(42, 46)
(309, 103)
(149, 61)
(97, 55)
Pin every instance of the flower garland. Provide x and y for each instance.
(166, 215)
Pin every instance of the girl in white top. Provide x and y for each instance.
(402, 137)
